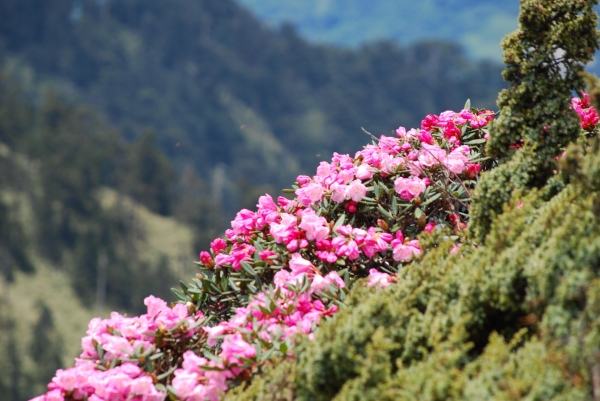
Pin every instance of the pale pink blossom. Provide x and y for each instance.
(378, 279)
(316, 227)
(364, 172)
(310, 194)
(409, 188)
(244, 222)
(338, 192)
(299, 265)
(356, 191)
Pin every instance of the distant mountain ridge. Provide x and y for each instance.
(477, 25)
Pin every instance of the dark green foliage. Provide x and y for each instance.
(544, 61)
(150, 175)
(277, 385)
(46, 347)
(12, 246)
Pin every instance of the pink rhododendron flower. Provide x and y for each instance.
(429, 227)
(268, 212)
(404, 250)
(356, 191)
(206, 259)
(377, 279)
(338, 192)
(244, 222)
(299, 265)
(364, 172)
(218, 245)
(457, 159)
(316, 227)
(302, 180)
(389, 144)
(455, 249)
(310, 194)
(409, 188)
(266, 254)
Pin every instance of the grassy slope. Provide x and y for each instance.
(163, 237)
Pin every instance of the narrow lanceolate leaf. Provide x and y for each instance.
(167, 373)
(179, 295)
(377, 190)
(394, 205)
(476, 141)
(385, 212)
(248, 269)
(431, 199)
(339, 221)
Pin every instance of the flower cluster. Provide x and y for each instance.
(587, 113)
(356, 213)
(284, 268)
(137, 358)
(119, 359)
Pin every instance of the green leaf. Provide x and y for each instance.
(167, 373)
(476, 141)
(258, 246)
(431, 199)
(233, 285)
(377, 190)
(394, 205)
(418, 212)
(467, 105)
(368, 200)
(385, 212)
(340, 221)
(179, 295)
(223, 283)
(248, 268)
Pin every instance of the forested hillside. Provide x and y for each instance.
(73, 242)
(226, 95)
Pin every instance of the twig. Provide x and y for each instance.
(371, 135)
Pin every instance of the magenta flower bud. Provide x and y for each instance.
(206, 259)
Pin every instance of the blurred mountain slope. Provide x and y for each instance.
(476, 25)
(166, 65)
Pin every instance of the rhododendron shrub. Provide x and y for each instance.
(357, 213)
